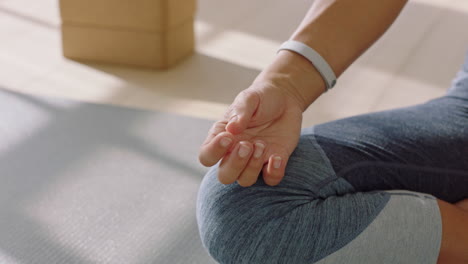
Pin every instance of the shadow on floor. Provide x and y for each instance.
(64, 148)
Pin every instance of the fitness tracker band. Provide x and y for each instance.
(319, 63)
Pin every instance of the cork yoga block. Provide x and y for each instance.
(146, 33)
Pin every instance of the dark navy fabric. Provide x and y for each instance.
(421, 148)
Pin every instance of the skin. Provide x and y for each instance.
(454, 248)
(262, 126)
(274, 119)
(463, 205)
(340, 31)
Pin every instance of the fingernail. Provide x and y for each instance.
(259, 148)
(243, 151)
(225, 141)
(233, 119)
(276, 162)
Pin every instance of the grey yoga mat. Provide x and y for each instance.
(88, 183)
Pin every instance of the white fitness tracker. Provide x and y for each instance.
(319, 63)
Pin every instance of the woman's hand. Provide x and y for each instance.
(258, 132)
(261, 128)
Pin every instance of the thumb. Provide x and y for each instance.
(242, 112)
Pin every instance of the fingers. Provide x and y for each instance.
(245, 163)
(212, 151)
(234, 162)
(242, 111)
(250, 174)
(273, 171)
(218, 143)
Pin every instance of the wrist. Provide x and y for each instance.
(297, 75)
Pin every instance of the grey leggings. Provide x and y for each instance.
(356, 190)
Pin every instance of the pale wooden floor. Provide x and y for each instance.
(414, 61)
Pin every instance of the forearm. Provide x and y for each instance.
(340, 31)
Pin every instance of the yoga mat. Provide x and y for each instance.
(89, 183)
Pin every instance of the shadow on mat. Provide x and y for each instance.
(72, 133)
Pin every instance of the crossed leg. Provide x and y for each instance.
(375, 188)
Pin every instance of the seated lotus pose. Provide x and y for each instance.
(389, 187)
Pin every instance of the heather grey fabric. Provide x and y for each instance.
(409, 218)
(86, 183)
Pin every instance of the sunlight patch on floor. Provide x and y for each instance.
(241, 48)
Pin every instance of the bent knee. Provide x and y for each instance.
(246, 225)
(279, 224)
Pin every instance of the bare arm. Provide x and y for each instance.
(269, 112)
(340, 31)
